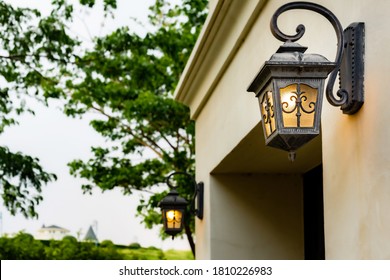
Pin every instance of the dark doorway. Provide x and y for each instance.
(313, 214)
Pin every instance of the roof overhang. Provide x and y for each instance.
(216, 46)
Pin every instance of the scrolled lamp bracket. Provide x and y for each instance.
(197, 196)
(349, 59)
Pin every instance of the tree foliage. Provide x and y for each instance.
(21, 247)
(129, 81)
(31, 48)
(24, 247)
(21, 179)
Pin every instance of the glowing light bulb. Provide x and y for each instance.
(171, 215)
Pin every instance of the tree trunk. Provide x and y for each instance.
(189, 237)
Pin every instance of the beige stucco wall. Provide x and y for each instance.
(356, 158)
(256, 217)
(356, 152)
(251, 216)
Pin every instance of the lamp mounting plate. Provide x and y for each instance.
(352, 68)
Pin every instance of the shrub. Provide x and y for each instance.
(135, 245)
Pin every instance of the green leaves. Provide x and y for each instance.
(108, 4)
(29, 42)
(129, 81)
(33, 52)
(23, 246)
(109, 172)
(21, 180)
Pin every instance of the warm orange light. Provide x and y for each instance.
(267, 113)
(173, 218)
(298, 105)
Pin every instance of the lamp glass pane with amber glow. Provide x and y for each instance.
(173, 218)
(290, 88)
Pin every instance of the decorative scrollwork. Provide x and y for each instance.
(342, 95)
(268, 113)
(198, 191)
(173, 187)
(299, 100)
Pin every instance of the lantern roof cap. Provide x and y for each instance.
(294, 53)
(298, 58)
(291, 47)
(289, 62)
(173, 199)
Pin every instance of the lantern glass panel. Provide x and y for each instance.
(298, 105)
(267, 113)
(173, 218)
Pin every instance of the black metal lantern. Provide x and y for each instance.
(173, 206)
(290, 85)
(289, 88)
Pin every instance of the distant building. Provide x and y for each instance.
(91, 236)
(51, 232)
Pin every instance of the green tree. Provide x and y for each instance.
(21, 247)
(129, 81)
(24, 247)
(108, 251)
(66, 249)
(31, 48)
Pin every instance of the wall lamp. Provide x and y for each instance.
(173, 206)
(290, 85)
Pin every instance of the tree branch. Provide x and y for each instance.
(130, 130)
(164, 137)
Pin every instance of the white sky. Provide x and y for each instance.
(56, 140)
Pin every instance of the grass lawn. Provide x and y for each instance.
(152, 253)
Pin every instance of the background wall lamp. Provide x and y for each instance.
(290, 85)
(173, 206)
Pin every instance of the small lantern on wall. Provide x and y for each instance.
(290, 85)
(173, 206)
